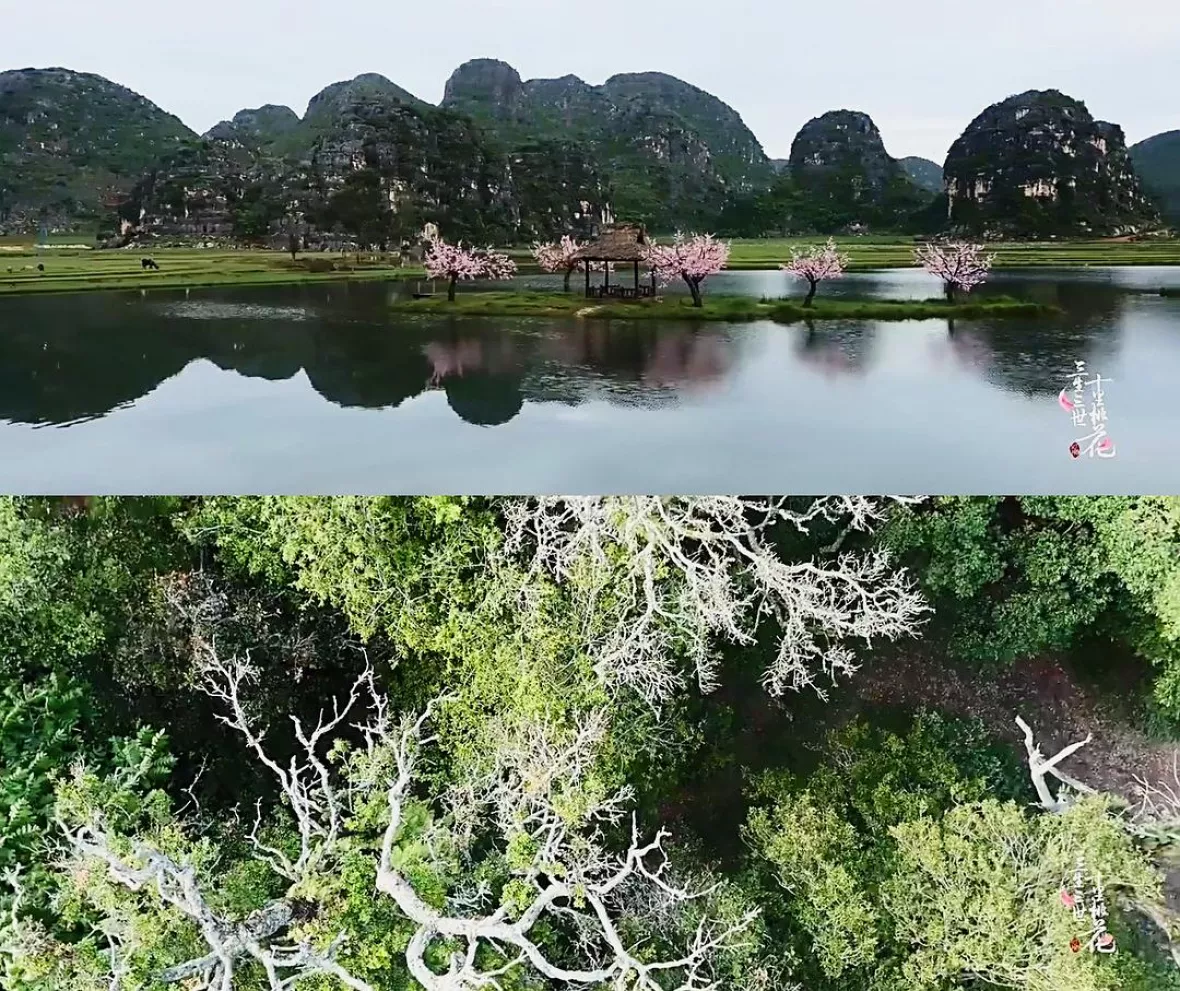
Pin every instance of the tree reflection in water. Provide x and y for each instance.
(835, 352)
(653, 357)
(964, 346)
(689, 360)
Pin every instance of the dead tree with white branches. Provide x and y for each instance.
(308, 787)
(533, 794)
(1039, 767)
(658, 578)
(571, 876)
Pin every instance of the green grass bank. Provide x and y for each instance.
(715, 308)
(71, 267)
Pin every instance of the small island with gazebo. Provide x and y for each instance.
(618, 244)
(690, 260)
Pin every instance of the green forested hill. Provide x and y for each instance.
(1157, 160)
(925, 174)
(69, 139)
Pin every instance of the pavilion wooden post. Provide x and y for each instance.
(587, 264)
(636, 276)
(605, 276)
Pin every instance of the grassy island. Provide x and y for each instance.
(716, 308)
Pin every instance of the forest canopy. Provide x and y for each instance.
(664, 744)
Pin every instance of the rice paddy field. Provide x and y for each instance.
(73, 269)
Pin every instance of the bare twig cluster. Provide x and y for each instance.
(659, 579)
(308, 787)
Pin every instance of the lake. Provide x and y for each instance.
(320, 389)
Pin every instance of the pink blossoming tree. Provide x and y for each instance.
(454, 262)
(693, 258)
(960, 265)
(559, 256)
(816, 264)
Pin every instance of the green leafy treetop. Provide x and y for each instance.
(904, 868)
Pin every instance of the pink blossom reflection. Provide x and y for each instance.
(686, 360)
(471, 356)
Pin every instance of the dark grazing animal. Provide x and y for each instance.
(149, 263)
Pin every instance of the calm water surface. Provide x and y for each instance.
(320, 389)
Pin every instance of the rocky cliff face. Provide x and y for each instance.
(843, 141)
(671, 151)
(1039, 164)
(70, 141)
(431, 162)
(485, 88)
(371, 164)
(1157, 161)
(191, 192)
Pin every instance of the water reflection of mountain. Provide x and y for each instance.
(81, 362)
(487, 377)
(68, 358)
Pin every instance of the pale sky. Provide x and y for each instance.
(922, 69)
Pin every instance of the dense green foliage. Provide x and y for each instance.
(877, 856)
(827, 201)
(1018, 577)
(905, 868)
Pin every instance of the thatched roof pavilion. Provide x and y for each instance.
(617, 243)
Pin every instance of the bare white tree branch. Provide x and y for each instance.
(308, 787)
(571, 876)
(230, 943)
(1039, 766)
(655, 578)
(306, 783)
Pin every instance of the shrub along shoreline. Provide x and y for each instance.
(715, 308)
